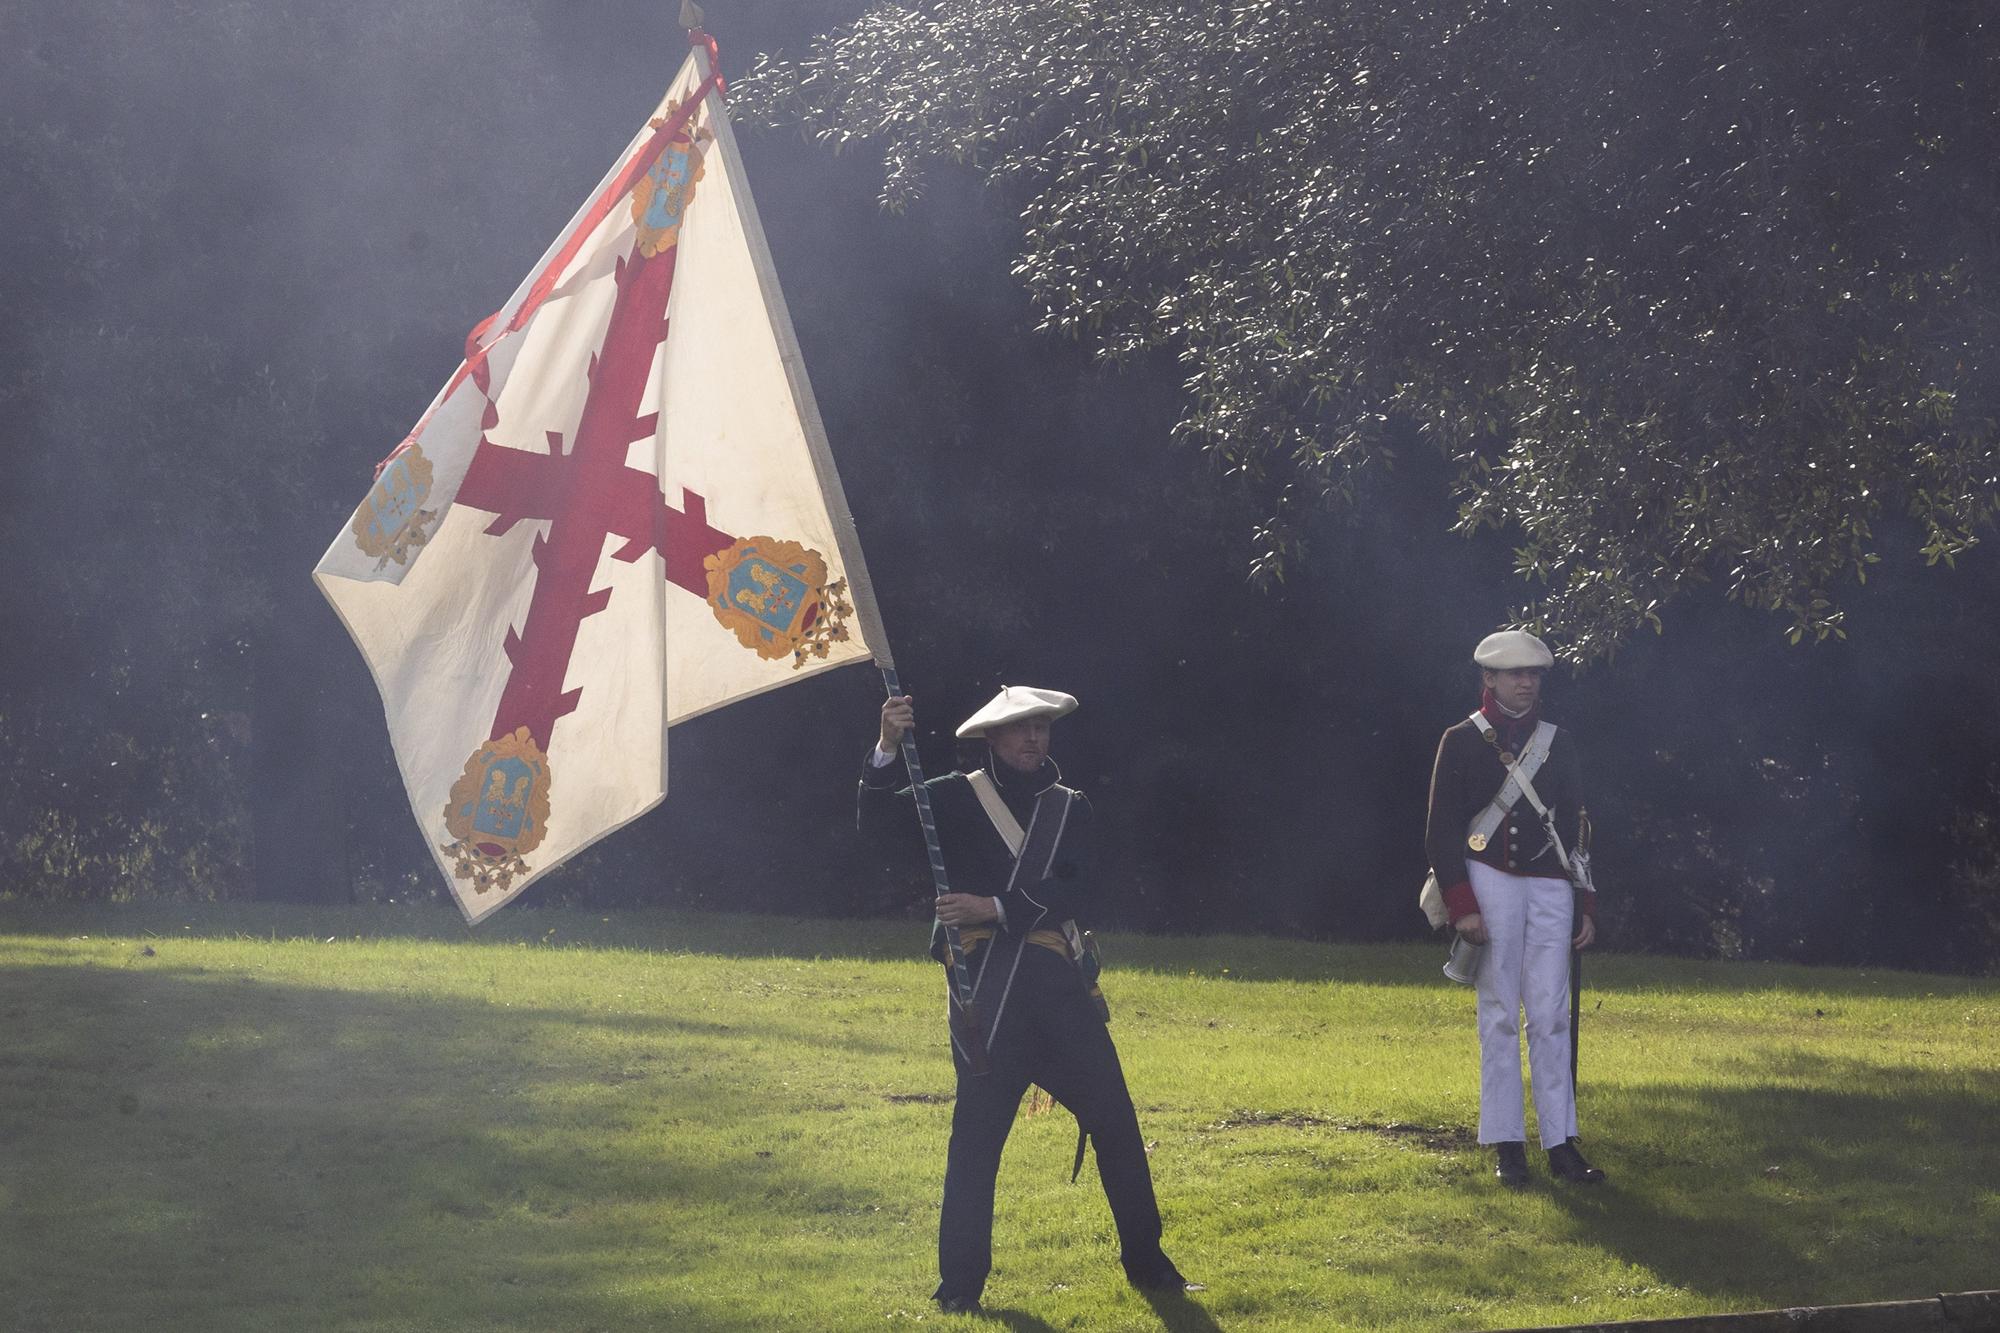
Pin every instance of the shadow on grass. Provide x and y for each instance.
(1178, 1313)
(1827, 1181)
(222, 1152)
(1819, 1179)
(1018, 1321)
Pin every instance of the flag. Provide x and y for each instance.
(620, 512)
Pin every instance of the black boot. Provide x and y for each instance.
(1158, 1274)
(1567, 1163)
(1513, 1164)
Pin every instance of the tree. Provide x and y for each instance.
(1688, 293)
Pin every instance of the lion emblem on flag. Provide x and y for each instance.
(777, 598)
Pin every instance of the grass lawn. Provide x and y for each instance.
(286, 1119)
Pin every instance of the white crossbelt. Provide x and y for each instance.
(1520, 782)
(1004, 823)
(1011, 833)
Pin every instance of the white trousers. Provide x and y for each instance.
(1526, 967)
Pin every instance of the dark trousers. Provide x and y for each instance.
(1049, 1034)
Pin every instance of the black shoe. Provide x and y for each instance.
(957, 1304)
(1513, 1164)
(1160, 1276)
(1566, 1163)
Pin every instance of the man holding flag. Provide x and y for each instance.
(621, 512)
(1021, 844)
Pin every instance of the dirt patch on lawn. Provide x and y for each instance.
(1437, 1138)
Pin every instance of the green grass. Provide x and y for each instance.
(262, 1118)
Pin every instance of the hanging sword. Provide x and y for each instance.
(1581, 866)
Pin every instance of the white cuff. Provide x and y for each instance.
(881, 758)
(1001, 908)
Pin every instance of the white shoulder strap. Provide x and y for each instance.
(1520, 782)
(1004, 823)
(1549, 823)
(1519, 776)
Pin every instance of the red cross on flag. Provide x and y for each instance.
(620, 512)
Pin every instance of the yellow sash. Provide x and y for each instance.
(1048, 939)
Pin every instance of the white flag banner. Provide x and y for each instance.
(619, 513)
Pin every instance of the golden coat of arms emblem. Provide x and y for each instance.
(661, 196)
(392, 522)
(777, 598)
(498, 811)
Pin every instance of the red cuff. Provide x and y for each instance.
(1590, 903)
(1459, 900)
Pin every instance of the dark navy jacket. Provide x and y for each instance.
(1468, 772)
(976, 858)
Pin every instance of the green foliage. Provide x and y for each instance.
(153, 815)
(133, 692)
(1690, 293)
(242, 1118)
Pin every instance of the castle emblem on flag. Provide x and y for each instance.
(392, 521)
(777, 598)
(498, 811)
(660, 199)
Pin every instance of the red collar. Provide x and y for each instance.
(1511, 728)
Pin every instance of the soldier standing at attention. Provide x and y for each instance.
(1021, 842)
(1506, 888)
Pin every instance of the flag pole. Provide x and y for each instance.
(967, 1031)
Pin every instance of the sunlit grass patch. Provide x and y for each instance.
(256, 1118)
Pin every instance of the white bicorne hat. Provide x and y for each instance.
(1013, 704)
(1512, 649)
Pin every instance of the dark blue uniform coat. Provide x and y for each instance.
(1049, 1031)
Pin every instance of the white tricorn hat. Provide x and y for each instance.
(1512, 649)
(1013, 704)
